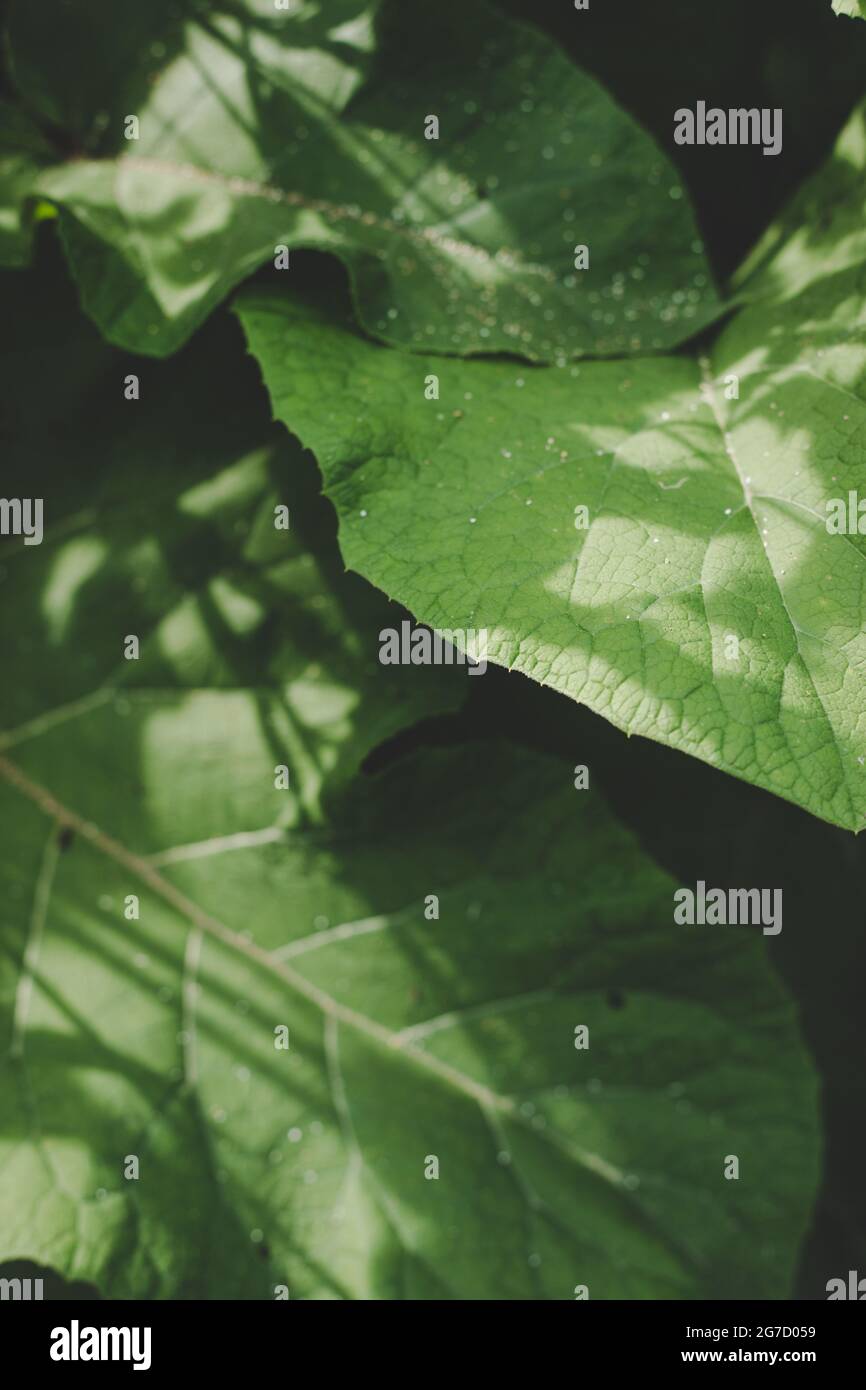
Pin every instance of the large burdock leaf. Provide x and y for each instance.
(648, 537)
(164, 520)
(257, 130)
(433, 1128)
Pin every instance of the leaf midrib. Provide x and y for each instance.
(488, 1100)
(506, 258)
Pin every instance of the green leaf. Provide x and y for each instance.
(118, 58)
(160, 522)
(854, 8)
(707, 521)
(261, 132)
(823, 229)
(699, 51)
(411, 1038)
(23, 153)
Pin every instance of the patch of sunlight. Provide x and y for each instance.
(239, 485)
(197, 209)
(318, 703)
(184, 641)
(755, 360)
(842, 364)
(241, 612)
(851, 145)
(207, 764)
(601, 440)
(74, 564)
(71, 1158)
(781, 461)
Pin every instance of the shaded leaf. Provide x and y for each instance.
(261, 132)
(822, 231)
(699, 52)
(159, 522)
(410, 1039)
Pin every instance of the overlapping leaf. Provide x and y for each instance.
(160, 523)
(257, 130)
(822, 231)
(414, 1040)
(699, 598)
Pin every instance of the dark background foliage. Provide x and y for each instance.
(657, 55)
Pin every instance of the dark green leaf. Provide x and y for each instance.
(413, 1040)
(255, 132)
